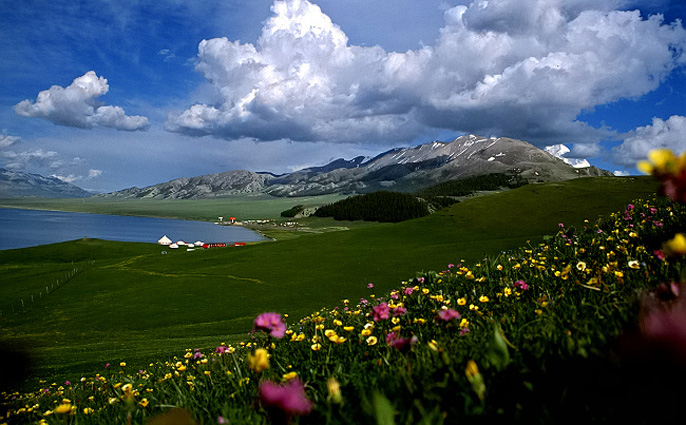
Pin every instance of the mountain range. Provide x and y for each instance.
(18, 184)
(400, 169)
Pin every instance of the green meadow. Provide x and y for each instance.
(75, 306)
(243, 206)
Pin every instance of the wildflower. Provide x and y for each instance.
(462, 301)
(475, 378)
(288, 399)
(433, 345)
(634, 264)
(399, 311)
(372, 340)
(62, 408)
(334, 389)
(290, 375)
(675, 247)
(408, 290)
(670, 170)
(122, 364)
(483, 299)
(581, 266)
(448, 315)
(370, 285)
(87, 410)
(271, 323)
(399, 343)
(348, 328)
(316, 346)
(144, 402)
(380, 312)
(258, 361)
(464, 323)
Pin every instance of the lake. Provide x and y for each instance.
(24, 228)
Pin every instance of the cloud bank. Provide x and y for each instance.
(77, 105)
(670, 134)
(520, 68)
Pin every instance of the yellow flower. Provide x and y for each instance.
(473, 307)
(258, 361)
(469, 275)
(122, 364)
(366, 332)
(349, 328)
(581, 266)
(290, 375)
(419, 320)
(634, 264)
(329, 332)
(337, 322)
(677, 246)
(619, 274)
(464, 323)
(662, 161)
(372, 340)
(425, 291)
(462, 301)
(508, 291)
(144, 402)
(316, 346)
(483, 299)
(334, 390)
(472, 369)
(63, 408)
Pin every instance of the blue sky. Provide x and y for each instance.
(108, 97)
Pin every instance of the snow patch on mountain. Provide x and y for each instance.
(559, 151)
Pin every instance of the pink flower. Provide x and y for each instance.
(451, 265)
(370, 285)
(197, 354)
(394, 295)
(399, 311)
(271, 323)
(659, 254)
(287, 399)
(521, 285)
(408, 290)
(448, 315)
(381, 312)
(67, 383)
(221, 349)
(561, 224)
(400, 344)
(107, 365)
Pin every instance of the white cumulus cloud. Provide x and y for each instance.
(521, 68)
(670, 134)
(77, 105)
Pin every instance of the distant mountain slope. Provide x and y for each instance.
(408, 169)
(15, 184)
(207, 186)
(424, 165)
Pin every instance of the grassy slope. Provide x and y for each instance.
(134, 304)
(240, 206)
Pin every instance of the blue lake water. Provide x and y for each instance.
(25, 228)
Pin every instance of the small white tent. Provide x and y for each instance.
(164, 240)
(173, 246)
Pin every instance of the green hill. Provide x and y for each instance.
(126, 301)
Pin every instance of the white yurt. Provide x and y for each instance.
(173, 246)
(179, 243)
(164, 240)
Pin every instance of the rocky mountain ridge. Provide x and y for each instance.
(16, 184)
(401, 169)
